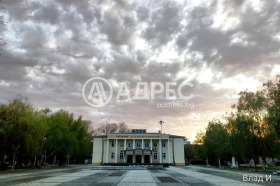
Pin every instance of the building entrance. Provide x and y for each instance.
(147, 159)
(129, 159)
(138, 158)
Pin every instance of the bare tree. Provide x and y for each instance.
(123, 127)
(106, 129)
(110, 128)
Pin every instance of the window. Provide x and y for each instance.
(138, 145)
(121, 155)
(154, 144)
(128, 144)
(121, 144)
(147, 145)
(155, 155)
(163, 155)
(113, 144)
(112, 155)
(163, 144)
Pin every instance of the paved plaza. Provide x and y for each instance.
(83, 175)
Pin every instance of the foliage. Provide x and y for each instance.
(27, 133)
(252, 130)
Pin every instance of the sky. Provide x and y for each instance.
(222, 47)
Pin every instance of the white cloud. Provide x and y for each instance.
(238, 83)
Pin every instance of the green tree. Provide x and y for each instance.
(252, 110)
(216, 141)
(67, 136)
(22, 128)
(272, 91)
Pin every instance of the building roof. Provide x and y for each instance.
(101, 136)
(153, 133)
(175, 136)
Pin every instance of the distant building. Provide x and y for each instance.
(138, 147)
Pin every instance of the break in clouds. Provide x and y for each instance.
(221, 47)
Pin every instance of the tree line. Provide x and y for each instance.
(249, 134)
(108, 128)
(29, 136)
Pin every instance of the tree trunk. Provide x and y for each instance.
(219, 161)
(45, 158)
(252, 162)
(54, 160)
(207, 162)
(262, 163)
(14, 156)
(35, 160)
(233, 162)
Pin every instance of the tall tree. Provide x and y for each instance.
(253, 107)
(216, 141)
(272, 91)
(23, 129)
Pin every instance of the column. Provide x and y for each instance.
(160, 153)
(133, 150)
(116, 151)
(142, 156)
(151, 153)
(124, 152)
(151, 157)
(124, 145)
(169, 159)
(107, 151)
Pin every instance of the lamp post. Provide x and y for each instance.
(161, 122)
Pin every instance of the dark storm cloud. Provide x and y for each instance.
(48, 13)
(118, 30)
(13, 66)
(258, 27)
(164, 22)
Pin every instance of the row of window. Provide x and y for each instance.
(113, 155)
(155, 155)
(138, 144)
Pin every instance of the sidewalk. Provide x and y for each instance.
(138, 177)
(210, 178)
(241, 172)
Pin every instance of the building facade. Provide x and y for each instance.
(138, 147)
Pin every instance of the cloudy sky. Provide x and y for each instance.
(222, 47)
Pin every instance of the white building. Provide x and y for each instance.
(138, 147)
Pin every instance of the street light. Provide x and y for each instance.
(161, 122)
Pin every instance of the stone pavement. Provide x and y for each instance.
(138, 177)
(177, 176)
(210, 178)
